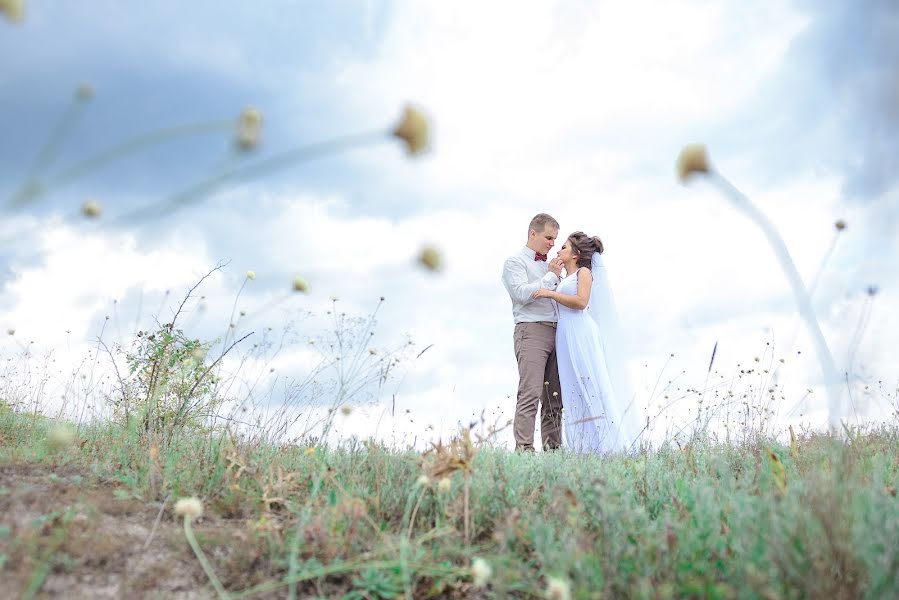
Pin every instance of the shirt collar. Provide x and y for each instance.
(529, 253)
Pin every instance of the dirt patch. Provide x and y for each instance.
(72, 535)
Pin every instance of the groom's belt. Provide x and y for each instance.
(548, 323)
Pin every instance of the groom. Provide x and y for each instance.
(535, 335)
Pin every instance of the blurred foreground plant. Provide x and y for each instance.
(693, 160)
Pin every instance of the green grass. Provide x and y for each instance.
(819, 519)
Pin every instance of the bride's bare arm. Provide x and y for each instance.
(578, 301)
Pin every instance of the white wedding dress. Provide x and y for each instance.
(599, 412)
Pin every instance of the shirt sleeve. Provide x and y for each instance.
(515, 278)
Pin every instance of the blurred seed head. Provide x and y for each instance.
(249, 128)
(423, 480)
(309, 451)
(60, 438)
(840, 225)
(444, 485)
(558, 589)
(251, 275)
(14, 10)
(300, 285)
(692, 159)
(430, 258)
(191, 507)
(872, 290)
(480, 572)
(84, 91)
(346, 409)
(91, 209)
(413, 130)
(10, 331)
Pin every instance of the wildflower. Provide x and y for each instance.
(300, 285)
(558, 589)
(346, 409)
(84, 91)
(91, 209)
(423, 480)
(249, 126)
(60, 438)
(430, 258)
(444, 485)
(13, 9)
(413, 129)
(692, 159)
(309, 451)
(480, 572)
(189, 507)
(251, 275)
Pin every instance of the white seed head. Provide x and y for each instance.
(91, 209)
(300, 285)
(13, 9)
(423, 480)
(429, 257)
(413, 129)
(346, 409)
(444, 485)
(249, 128)
(558, 589)
(480, 572)
(692, 159)
(251, 275)
(189, 507)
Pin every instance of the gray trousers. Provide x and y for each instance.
(538, 385)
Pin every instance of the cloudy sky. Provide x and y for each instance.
(578, 109)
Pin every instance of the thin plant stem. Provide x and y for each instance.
(30, 188)
(262, 167)
(136, 144)
(207, 568)
(800, 294)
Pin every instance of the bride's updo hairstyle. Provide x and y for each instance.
(584, 246)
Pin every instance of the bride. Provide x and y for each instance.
(599, 413)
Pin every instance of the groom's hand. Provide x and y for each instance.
(555, 265)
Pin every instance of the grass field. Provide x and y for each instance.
(88, 512)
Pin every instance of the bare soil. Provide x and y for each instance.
(70, 534)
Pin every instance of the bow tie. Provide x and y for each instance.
(538, 256)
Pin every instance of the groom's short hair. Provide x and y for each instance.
(539, 223)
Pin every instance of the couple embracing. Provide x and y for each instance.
(568, 346)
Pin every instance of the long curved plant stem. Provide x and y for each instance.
(800, 293)
(204, 562)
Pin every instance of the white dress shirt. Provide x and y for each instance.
(522, 276)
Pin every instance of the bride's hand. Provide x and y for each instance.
(542, 293)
